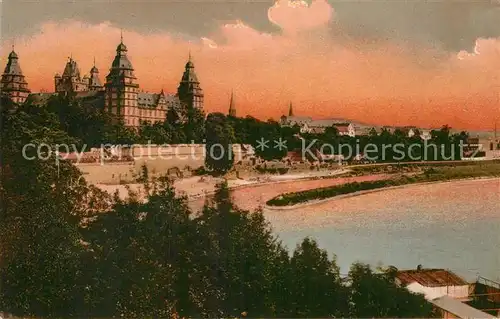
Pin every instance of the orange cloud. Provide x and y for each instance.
(380, 82)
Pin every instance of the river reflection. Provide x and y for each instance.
(450, 225)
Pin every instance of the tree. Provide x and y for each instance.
(331, 132)
(376, 295)
(194, 127)
(43, 203)
(154, 133)
(89, 125)
(142, 255)
(316, 289)
(219, 140)
(239, 261)
(69, 250)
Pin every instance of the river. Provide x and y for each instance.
(454, 225)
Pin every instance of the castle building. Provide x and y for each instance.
(95, 83)
(123, 98)
(122, 89)
(71, 81)
(189, 90)
(120, 94)
(13, 84)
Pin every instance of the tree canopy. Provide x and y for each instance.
(69, 250)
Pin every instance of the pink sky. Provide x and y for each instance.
(379, 82)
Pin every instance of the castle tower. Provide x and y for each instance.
(232, 108)
(290, 110)
(13, 83)
(70, 81)
(189, 90)
(122, 89)
(94, 81)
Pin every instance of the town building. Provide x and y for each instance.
(319, 127)
(451, 308)
(425, 135)
(473, 149)
(13, 83)
(450, 294)
(292, 120)
(308, 125)
(409, 131)
(345, 129)
(486, 295)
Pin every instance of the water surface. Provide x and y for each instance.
(453, 225)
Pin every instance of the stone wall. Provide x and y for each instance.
(108, 173)
(177, 160)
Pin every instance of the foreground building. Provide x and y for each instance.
(435, 282)
(446, 291)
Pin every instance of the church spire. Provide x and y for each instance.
(232, 108)
(290, 109)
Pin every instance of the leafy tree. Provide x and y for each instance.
(376, 295)
(241, 260)
(194, 127)
(316, 289)
(69, 250)
(88, 125)
(331, 132)
(155, 133)
(219, 140)
(142, 251)
(43, 203)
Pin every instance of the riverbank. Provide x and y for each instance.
(200, 187)
(377, 190)
(429, 175)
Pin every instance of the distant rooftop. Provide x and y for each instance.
(430, 277)
(327, 122)
(459, 309)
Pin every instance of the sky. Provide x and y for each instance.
(418, 62)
